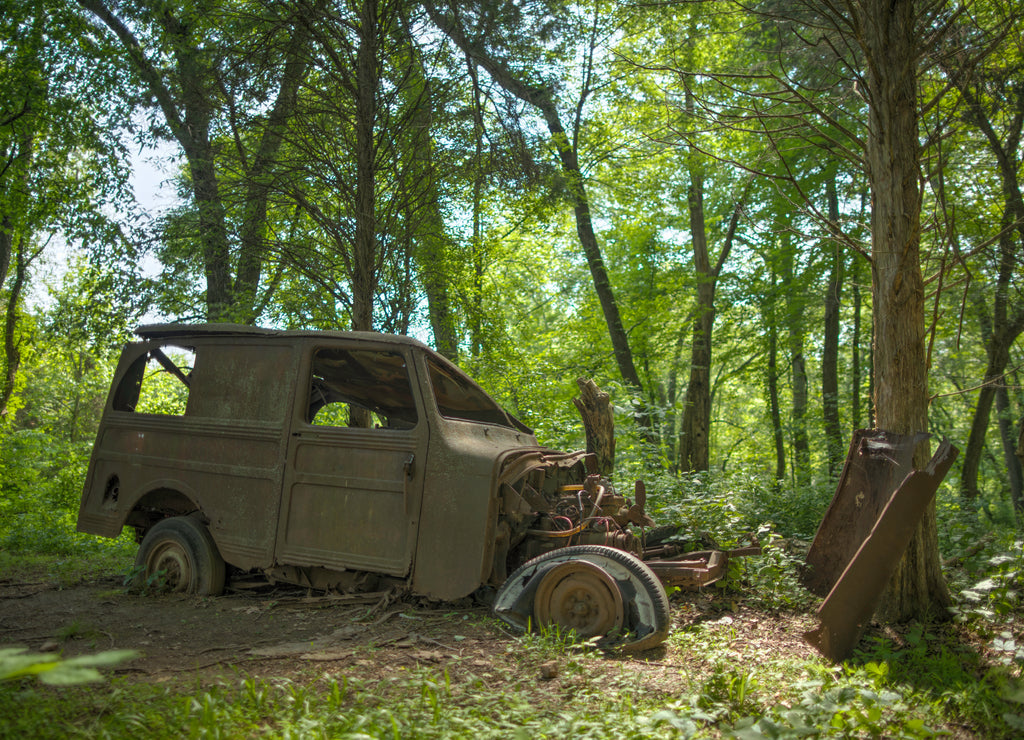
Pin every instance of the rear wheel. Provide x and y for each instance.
(179, 555)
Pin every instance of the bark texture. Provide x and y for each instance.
(595, 409)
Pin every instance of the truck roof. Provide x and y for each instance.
(177, 331)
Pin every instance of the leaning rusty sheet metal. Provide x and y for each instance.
(852, 600)
(875, 465)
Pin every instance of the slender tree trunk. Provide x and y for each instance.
(431, 241)
(778, 433)
(917, 589)
(694, 433)
(798, 371)
(475, 310)
(999, 357)
(1015, 479)
(1018, 504)
(6, 246)
(830, 350)
(695, 429)
(364, 273)
(190, 126)
(14, 249)
(12, 347)
(999, 329)
(669, 433)
(855, 340)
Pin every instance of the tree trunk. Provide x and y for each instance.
(694, 432)
(778, 433)
(999, 357)
(695, 429)
(855, 369)
(12, 348)
(917, 589)
(999, 329)
(364, 273)
(14, 242)
(260, 176)
(830, 350)
(1014, 476)
(1018, 504)
(798, 371)
(595, 409)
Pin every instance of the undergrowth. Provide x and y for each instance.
(962, 678)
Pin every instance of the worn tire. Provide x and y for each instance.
(647, 619)
(179, 555)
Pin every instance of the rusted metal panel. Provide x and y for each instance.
(877, 461)
(852, 600)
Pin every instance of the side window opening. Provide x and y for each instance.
(459, 398)
(360, 388)
(158, 382)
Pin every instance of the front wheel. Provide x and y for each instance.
(179, 555)
(580, 596)
(570, 586)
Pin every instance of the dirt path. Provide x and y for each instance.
(287, 633)
(181, 635)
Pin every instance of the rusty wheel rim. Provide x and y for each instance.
(172, 566)
(581, 596)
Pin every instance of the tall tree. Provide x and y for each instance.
(479, 37)
(830, 348)
(892, 37)
(60, 160)
(695, 427)
(219, 69)
(360, 166)
(992, 107)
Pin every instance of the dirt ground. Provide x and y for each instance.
(287, 632)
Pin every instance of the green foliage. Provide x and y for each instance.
(726, 506)
(16, 663)
(857, 703)
(997, 597)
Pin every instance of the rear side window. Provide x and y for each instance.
(157, 382)
(231, 381)
(367, 389)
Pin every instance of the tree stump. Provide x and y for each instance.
(595, 408)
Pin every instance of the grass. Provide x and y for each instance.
(597, 697)
(94, 560)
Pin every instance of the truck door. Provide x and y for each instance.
(356, 457)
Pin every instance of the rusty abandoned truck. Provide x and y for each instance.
(355, 461)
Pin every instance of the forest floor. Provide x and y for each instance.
(285, 632)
